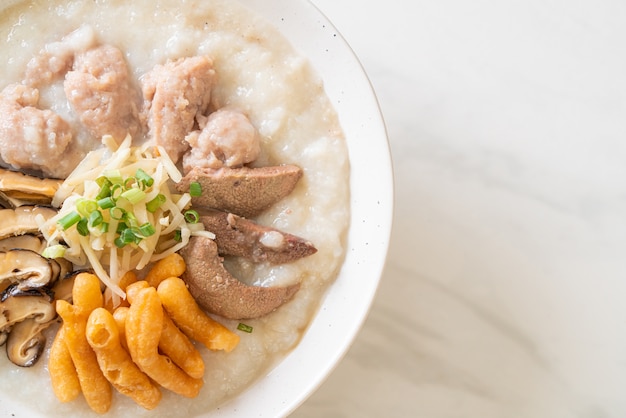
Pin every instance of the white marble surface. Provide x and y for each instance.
(504, 291)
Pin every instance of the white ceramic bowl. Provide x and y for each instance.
(347, 301)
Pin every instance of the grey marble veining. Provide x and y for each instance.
(504, 291)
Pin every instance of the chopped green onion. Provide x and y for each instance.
(153, 205)
(120, 227)
(137, 233)
(69, 219)
(144, 177)
(116, 191)
(126, 237)
(192, 216)
(106, 203)
(104, 227)
(105, 188)
(82, 227)
(129, 183)
(147, 229)
(131, 219)
(114, 176)
(54, 251)
(245, 328)
(102, 180)
(117, 213)
(95, 218)
(86, 206)
(178, 236)
(195, 189)
(134, 195)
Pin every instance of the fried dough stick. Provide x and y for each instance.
(116, 364)
(144, 325)
(86, 297)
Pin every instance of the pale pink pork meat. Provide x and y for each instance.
(32, 138)
(228, 139)
(175, 95)
(57, 57)
(100, 91)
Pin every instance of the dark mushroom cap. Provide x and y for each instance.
(26, 342)
(22, 220)
(25, 267)
(26, 242)
(17, 305)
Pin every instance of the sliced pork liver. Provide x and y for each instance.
(244, 191)
(217, 291)
(241, 237)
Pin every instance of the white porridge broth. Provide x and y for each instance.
(259, 72)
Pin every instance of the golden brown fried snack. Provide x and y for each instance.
(186, 313)
(119, 315)
(86, 297)
(171, 266)
(173, 342)
(134, 289)
(144, 325)
(63, 376)
(116, 364)
(86, 293)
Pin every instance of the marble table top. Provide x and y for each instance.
(503, 295)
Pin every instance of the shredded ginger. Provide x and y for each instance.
(97, 248)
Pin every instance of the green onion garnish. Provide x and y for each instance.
(54, 251)
(126, 237)
(106, 203)
(137, 234)
(69, 219)
(191, 216)
(102, 180)
(195, 189)
(95, 218)
(147, 229)
(120, 227)
(178, 236)
(82, 227)
(143, 177)
(134, 195)
(129, 183)
(117, 213)
(105, 188)
(153, 205)
(116, 191)
(114, 176)
(245, 328)
(131, 219)
(89, 215)
(86, 206)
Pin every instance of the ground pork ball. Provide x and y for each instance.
(228, 139)
(31, 138)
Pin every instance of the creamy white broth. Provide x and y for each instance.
(260, 73)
